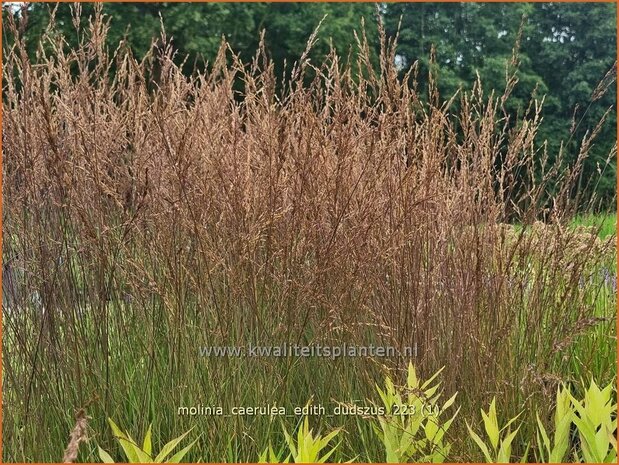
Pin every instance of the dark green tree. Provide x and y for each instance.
(573, 47)
(564, 51)
(196, 29)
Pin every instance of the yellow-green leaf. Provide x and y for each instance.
(104, 456)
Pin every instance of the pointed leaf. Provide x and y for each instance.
(169, 447)
(480, 444)
(176, 458)
(148, 446)
(104, 456)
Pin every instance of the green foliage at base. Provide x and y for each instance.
(408, 431)
(135, 453)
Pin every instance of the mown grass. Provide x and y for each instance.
(147, 213)
(605, 224)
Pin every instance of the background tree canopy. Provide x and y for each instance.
(565, 50)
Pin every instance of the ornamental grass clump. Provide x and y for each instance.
(147, 212)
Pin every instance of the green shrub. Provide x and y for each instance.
(595, 418)
(144, 453)
(409, 431)
(555, 451)
(501, 438)
(306, 449)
